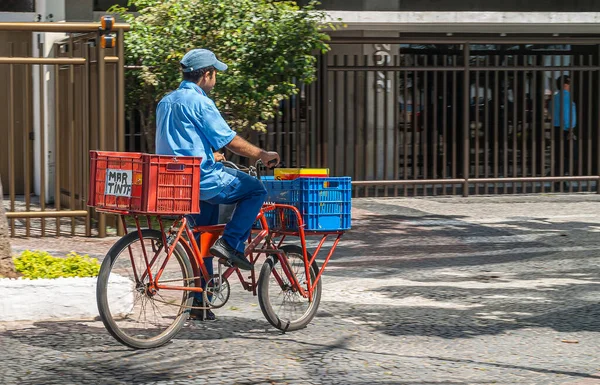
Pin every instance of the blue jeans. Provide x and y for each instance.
(248, 194)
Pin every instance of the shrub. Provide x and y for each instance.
(268, 45)
(40, 264)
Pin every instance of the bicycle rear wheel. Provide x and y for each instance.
(130, 311)
(283, 306)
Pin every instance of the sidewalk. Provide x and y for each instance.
(500, 290)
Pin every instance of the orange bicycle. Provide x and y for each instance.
(148, 278)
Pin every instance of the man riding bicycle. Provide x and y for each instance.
(189, 124)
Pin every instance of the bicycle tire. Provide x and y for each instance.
(265, 300)
(110, 323)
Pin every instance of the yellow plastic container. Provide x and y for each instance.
(293, 173)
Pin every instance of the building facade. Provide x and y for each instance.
(431, 96)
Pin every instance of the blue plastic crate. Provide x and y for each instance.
(325, 203)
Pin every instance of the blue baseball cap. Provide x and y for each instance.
(201, 58)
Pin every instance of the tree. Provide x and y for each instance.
(7, 267)
(269, 46)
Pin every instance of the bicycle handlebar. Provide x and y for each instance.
(252, 170)
(230, 164)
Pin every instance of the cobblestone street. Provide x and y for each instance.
(448, 290)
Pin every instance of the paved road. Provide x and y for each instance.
(501, 290)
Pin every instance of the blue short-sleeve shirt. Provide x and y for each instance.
(189, 124)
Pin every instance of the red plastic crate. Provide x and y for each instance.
(144, 183)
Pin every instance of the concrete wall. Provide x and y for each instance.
(462, 5)
(78, 10)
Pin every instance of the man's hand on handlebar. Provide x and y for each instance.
(219, 157)
(269, 158)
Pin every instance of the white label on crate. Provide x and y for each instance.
(118, 183)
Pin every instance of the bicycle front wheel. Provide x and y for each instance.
(131, 311)
(281, 304)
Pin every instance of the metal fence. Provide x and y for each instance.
(428, 116)
(56, 108)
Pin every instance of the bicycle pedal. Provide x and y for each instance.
(225, 262)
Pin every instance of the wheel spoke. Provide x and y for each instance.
(281, 303)
(133, 314)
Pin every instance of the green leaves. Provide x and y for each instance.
(40, 264)
(268, 45)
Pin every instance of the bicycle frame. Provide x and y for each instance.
(266, 236)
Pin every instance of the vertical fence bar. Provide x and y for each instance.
(365, 124)
(131, 135)
(396, 156)
(486, 125)
(278, 125)
(454, 123)
(570, 129)
(325, 117)
(476, 102)
(335, 115)
(598, 118)
(385, 128)
(416, 105)
(345, 127)
(26, 144)
(120, 108)
(445, 124)
(11, 139)
(465, 128)
(100, 63)
(356, 126)
(308, 109)
(553, 136)
(561, 136)
(505, 172)
(287, 126)
(496, 119)
(320, 96)
(375, 93)
(524, 127)
(71, 126)
(534, 130)
(82, 180)
(434, 126)
(298, 125)
(589, 121)
(543, 111)
(405, 124)
(515, 124)
(375, 154)
(57, 144)
(418, 109)
(314, 123)
(580, 124)
(310, 106)
(87, 127)
(42, 141)
(424, 138)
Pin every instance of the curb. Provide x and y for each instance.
(58, 299)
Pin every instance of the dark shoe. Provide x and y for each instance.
(222, 250)
(198, 314)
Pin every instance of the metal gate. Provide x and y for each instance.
(438, 115)
(60, 102)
